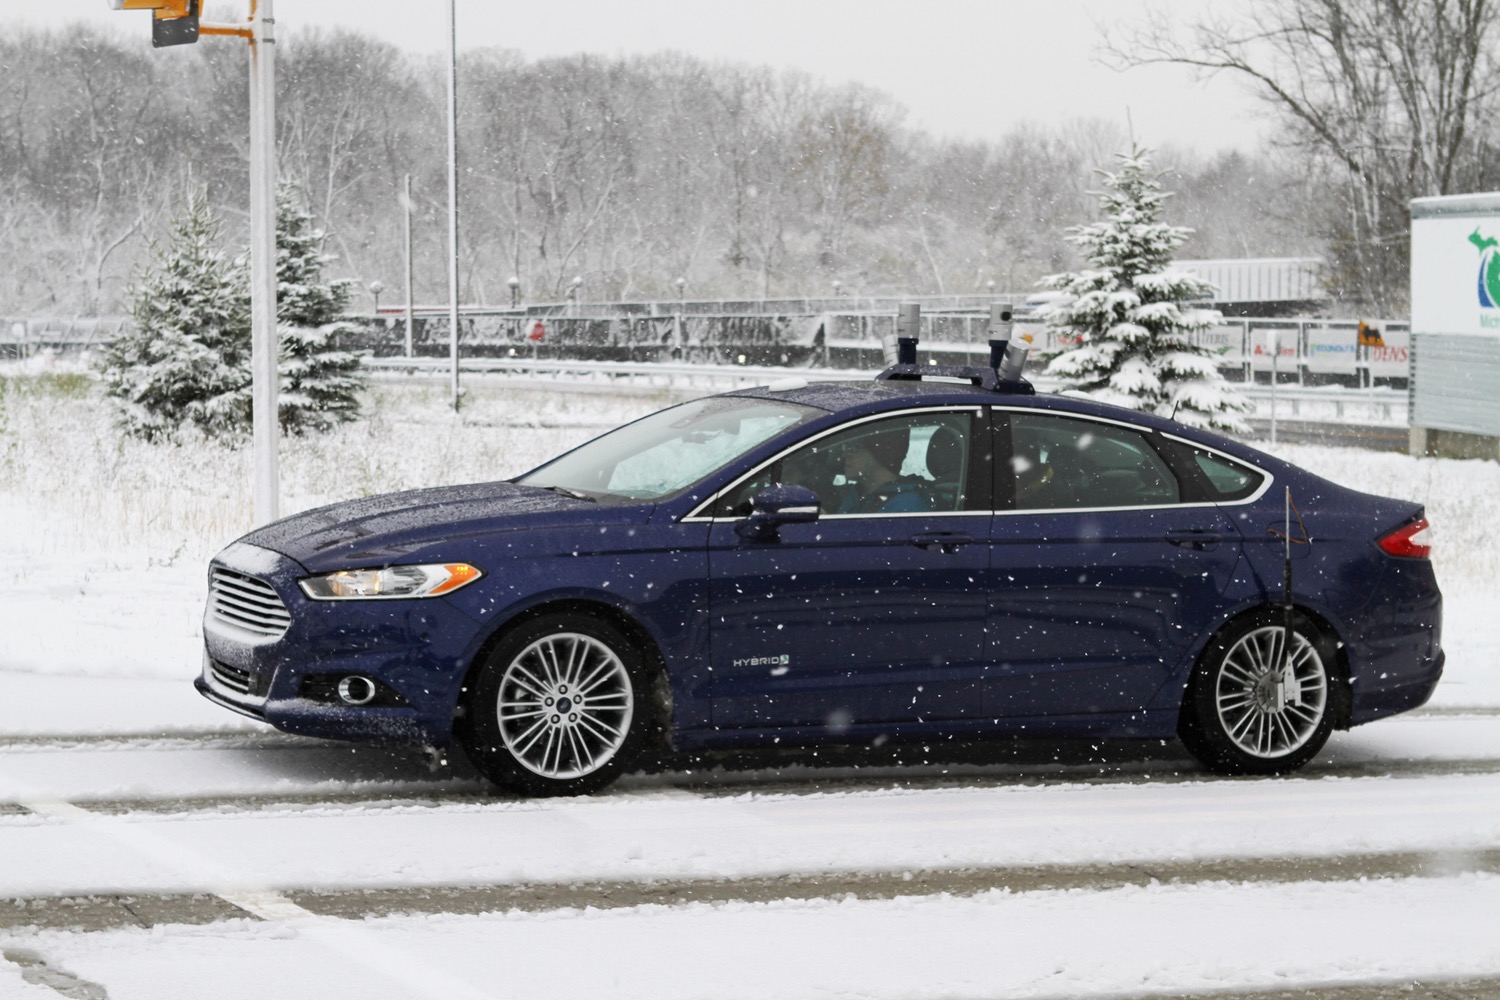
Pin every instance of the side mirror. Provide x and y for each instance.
(777, 505)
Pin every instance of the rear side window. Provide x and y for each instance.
(1061, 463)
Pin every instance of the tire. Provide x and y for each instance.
(1237, 719)
(523, 724)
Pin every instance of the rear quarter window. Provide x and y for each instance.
(1224, 478)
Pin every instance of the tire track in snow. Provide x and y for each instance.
(255, 772)
(108, 911)
(363, 794)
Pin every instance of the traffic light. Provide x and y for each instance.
(175, 22)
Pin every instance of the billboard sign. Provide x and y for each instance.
(1387, 352)
(1332, 350)
(1273, 348)
(1455, 264)
(1226, 342)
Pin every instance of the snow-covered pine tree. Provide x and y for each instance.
(1131, 315)
(186, 361)
(320, 383)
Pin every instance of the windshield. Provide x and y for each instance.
(669, 451)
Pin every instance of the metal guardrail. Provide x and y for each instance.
(1332, 405)
(644, 373)
(21, 338)
(1303, 402)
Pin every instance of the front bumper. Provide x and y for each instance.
(418, 649)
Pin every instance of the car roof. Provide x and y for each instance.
(876, 394)
(838, 396)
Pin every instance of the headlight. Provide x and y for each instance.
(389, 582)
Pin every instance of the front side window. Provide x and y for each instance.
(1061, 463)
(912, 463)
(668, 451)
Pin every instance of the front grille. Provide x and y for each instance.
(233, 678)
(246, 603)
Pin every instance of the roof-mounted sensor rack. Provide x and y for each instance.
(1007, 356)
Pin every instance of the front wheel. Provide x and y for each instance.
(1251, 711)
(558, 707)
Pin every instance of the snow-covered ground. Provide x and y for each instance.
(115, 777)
(1130, 941)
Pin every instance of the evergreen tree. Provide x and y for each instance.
(319, 382)
(186, 361)
(1130, 311)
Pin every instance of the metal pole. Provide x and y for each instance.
(453, 194)
(1275, 352)
(406, 200)
(263, 341)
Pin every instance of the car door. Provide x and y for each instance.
(1105, 571)
(875, 612)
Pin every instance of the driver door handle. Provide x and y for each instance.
(1197, 539)
(942, 541)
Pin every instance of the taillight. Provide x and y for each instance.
(1412, 541)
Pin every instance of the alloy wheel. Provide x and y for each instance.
(1266, 711)
(565, 705)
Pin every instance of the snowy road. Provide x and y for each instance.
(227, 850)
(292, 830)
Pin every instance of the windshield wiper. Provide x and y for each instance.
(576, 495)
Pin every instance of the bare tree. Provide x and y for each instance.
(759, 111)
(1240, 205)
(844, 145)
(670, 218)
(1397, 95)
(351, 116)
(747, 181)
(559, 150)
(90, 138)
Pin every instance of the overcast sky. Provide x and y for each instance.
(966, 68)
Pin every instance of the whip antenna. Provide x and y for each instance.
(1284, 657)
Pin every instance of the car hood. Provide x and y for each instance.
(380, 529)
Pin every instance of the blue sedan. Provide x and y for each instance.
(933, 553)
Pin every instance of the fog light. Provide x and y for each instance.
(356, 690)
(350, 690)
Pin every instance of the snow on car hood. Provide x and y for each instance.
(380, 528)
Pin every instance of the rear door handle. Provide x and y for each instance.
(942, 541)
(1199, 540)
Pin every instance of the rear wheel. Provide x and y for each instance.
(1250, 712)
(558, 707)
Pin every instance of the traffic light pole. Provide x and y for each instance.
(263, 339)
(176, 22)
(264, 343)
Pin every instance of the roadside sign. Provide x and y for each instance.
(1391, 357)
(1455, 265)
(1332, 350)
(1273, 347)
